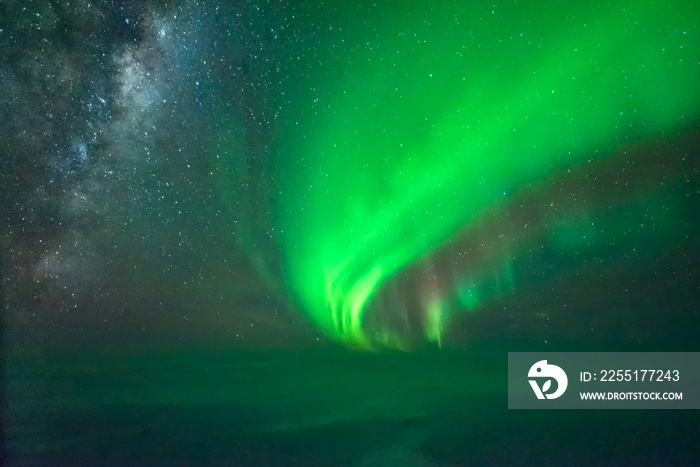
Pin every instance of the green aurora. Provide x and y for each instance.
(418, 123)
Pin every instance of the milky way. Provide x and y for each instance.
(280, 174)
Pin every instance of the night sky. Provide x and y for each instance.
(309, 232)
(394, 175)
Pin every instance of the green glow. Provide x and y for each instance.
(418, 122)
(469, 298)
(436, 318)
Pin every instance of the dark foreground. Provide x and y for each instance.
(311, 409)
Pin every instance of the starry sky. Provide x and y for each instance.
(376, 174)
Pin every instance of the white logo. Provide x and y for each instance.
(542, 370)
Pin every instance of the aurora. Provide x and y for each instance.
(417, 125)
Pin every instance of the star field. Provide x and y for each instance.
(288, 174)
